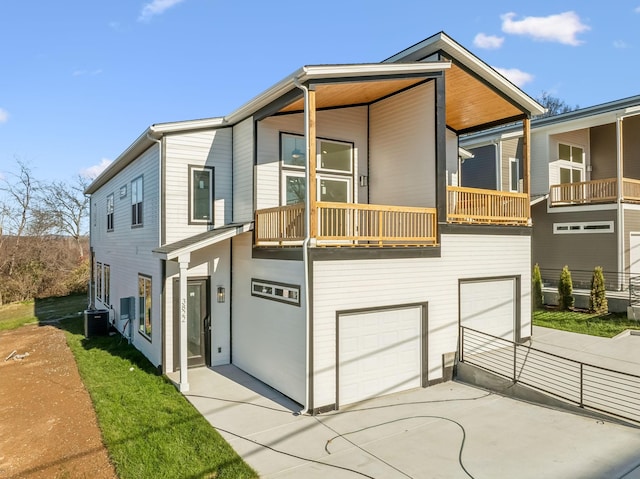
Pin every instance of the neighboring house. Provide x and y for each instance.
(209, 251)
(585, 187)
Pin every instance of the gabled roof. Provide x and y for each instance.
(471, 106)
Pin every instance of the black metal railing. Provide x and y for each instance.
(593, 387)
(581, 279)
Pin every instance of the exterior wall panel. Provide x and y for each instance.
(243, 171)
(388, 282)
(402, 149)
(211, 148)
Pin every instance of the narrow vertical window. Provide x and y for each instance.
(201, 195)
(99, 281)
(514, 174)
(136, 202)
(106, 272)
(110, 212)
(144, 305)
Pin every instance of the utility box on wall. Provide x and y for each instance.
(127, 308)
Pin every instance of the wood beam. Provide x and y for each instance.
(526, 161)
(311, 164)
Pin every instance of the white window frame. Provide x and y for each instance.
(106, 281)
(570, 164)
(513, 161)
(584, 227)
(99, 281)
(321, 173)
(145, 322)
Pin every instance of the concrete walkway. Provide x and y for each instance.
(621, 353)
(446, 431)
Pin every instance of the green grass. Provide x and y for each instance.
(15, 315)
(606, 326)
(149, 428)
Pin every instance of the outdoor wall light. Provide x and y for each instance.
(220, 294)
(364, 180)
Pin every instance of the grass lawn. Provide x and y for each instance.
(15, 315)
(606, 326)
(149, 428)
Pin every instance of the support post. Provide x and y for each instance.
(526, 162)
(311, 164)
(183, 261)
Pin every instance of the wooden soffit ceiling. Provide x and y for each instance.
(331, 95)
(471, 103)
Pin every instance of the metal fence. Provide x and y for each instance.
(586, 385)
(581, 279)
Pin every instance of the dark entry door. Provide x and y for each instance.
(198, 323)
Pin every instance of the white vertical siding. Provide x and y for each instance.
(402, 149)
(346, 285)
(452, 158)
(128, 250)
(269, 337)
(210, 148)
(243, 171)
(344, 124)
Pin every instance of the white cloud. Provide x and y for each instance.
(490, 42)
(156, 7)
(515, 76)
(637, 9)
(4, 115)
(93, 171)
(561, 28)
(79, 73)
(620, 44)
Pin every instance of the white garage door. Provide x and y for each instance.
(489, 306)
(379, 352)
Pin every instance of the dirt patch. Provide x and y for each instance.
(48, 427)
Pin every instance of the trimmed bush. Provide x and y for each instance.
(598, 296)
(538, 297)
(565, 289)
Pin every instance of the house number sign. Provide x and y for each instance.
(183, 310)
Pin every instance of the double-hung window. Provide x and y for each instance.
(136, 202)
(99, 281)
(571, 163)
(144, 305)
(201, 195)
(110, 208)
(334, 170)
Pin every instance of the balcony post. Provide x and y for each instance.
(311, 163)
(526, 163)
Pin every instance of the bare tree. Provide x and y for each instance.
(66, 206)
(554, 105)
(20, 189)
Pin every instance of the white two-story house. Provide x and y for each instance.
(317, 237)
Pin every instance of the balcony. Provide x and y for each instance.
(348, 225)
(365, 225)
(594, 192)
(479, 206)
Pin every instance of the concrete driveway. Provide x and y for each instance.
(446, 431)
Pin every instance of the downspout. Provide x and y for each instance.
(305, 245)
(620, 211)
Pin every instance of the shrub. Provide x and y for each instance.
(598, 296)
(538, 297)
(565, 289)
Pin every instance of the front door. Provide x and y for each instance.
(198, 323)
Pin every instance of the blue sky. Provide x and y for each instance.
(81, 79)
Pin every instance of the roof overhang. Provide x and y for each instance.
(172, 252)
(478, 97)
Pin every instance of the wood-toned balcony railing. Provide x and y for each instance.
(474, 205)
(349, 224)
(595, 191)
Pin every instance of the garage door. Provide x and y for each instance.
(379, 352)
(489, 306)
